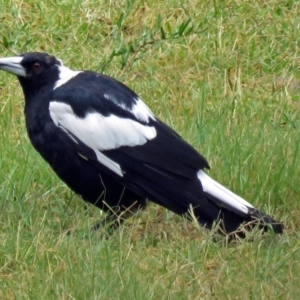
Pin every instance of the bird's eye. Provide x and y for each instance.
(36, 66)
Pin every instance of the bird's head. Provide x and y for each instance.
(33, 69)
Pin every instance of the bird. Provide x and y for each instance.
(107, 145)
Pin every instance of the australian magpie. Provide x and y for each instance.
(103, 141)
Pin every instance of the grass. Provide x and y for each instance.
(225, 74)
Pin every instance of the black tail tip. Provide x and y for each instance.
(267, 223)
(270, 224)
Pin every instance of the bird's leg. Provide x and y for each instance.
(116, 216)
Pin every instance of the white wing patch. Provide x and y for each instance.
(100, 132)
(108, 163)
(65, 74)
(223, 194)
(141, 111)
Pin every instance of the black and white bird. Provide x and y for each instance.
(103, 141)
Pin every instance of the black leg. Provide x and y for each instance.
(116, 216)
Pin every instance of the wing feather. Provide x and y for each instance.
(101, 132)
(107, 117)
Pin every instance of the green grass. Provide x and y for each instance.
(225, 74)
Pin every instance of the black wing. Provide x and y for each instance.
(114, 129)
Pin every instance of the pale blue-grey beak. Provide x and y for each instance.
(13, 65)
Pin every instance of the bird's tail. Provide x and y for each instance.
(234, 210)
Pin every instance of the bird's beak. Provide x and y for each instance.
(13, 65)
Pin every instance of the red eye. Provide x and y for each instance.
(36, 66)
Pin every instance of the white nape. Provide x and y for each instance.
(65, 74)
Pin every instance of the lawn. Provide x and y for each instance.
(226, 76)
